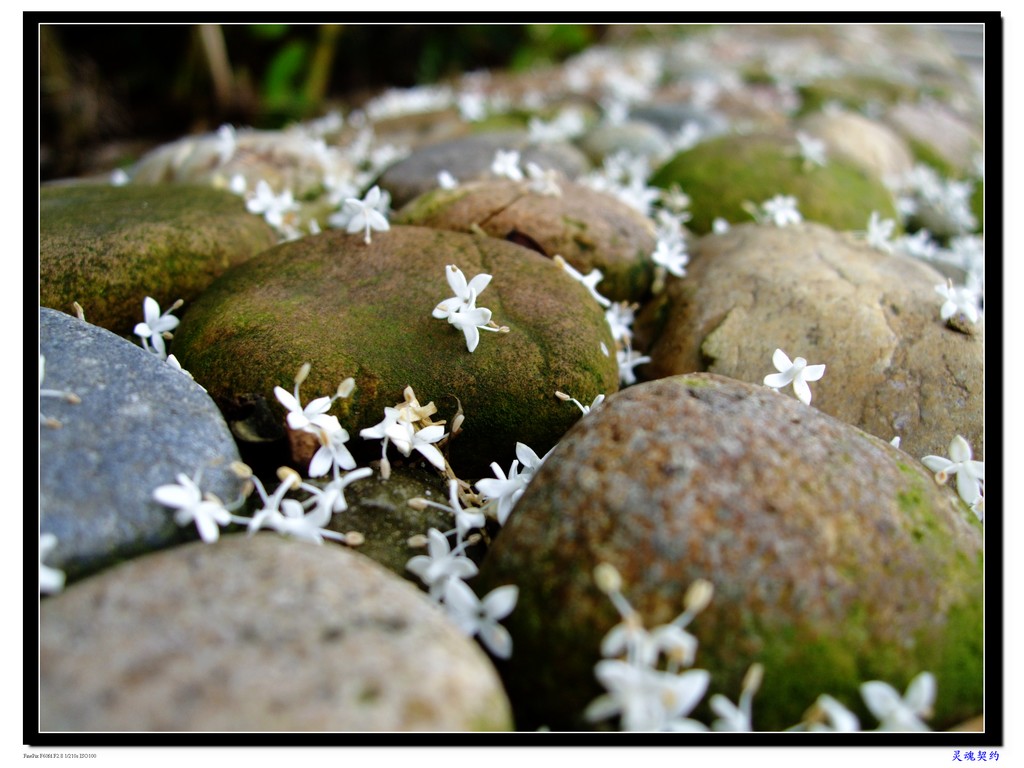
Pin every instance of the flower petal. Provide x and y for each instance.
(781, 361)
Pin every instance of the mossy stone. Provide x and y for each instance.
(109, 247)
(589, 229)
(723, 174)
(854, 91)
(835, 558)
(352, 309)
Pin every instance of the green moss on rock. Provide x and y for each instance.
(725, 174)
(109, 247)
(352, 309)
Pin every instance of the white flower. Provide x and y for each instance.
(312, 418)
(273, 207)
(896, 713)
(471, 320)
(505, 489)
(970, 474)
(920, 245)
(543, 182)
(880, 231)
(472, 106)
(226, 142)
(332, 454)
(465, 293)
(647, 699)
(672, 256)
(620, 317)
(959, 299)
(797, 372)
(331, 498)
(51, 580)
(781, 210)
(480, 617)
(629, 359)
(589, 281)
(157, 326)
(733, 717)
(407, 439)
(719, 226)
(441, 564)
(446, 181)
(365, 214)
(812, 150)
(506, 165)
(465, 519)
(187, 499)
(119, 177)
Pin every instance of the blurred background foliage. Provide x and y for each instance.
(108, 89)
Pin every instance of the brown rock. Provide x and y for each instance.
(893, 366)
(835, 558)
(589, 229)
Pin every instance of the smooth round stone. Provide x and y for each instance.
(364, 311)
(893, 366)
(259, 634)
(725, 174)
(108, 247)
(835, 558)
(588, 228)
(672, 117)
(640, 139)
(470, 158)
(938, 135)
(867, 143)
(139, 424)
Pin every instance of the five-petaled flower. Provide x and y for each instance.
(781, 210)
(796, 371)
(970, 474)
(365, 214)
(156, 326)
(461, 310)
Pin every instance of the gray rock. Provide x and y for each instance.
(258, 634)
(672, 117)
(894, 367)
(470, 158)
(139, 423)
(835, 558)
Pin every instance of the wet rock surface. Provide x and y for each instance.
(802, 523)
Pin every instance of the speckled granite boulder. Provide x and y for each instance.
(894, 367)
(109, 247)
(352, 309)
(259, 634)
(835, 558)
(469, 158)
(589, 229)
(721, 175)
(139, 424)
